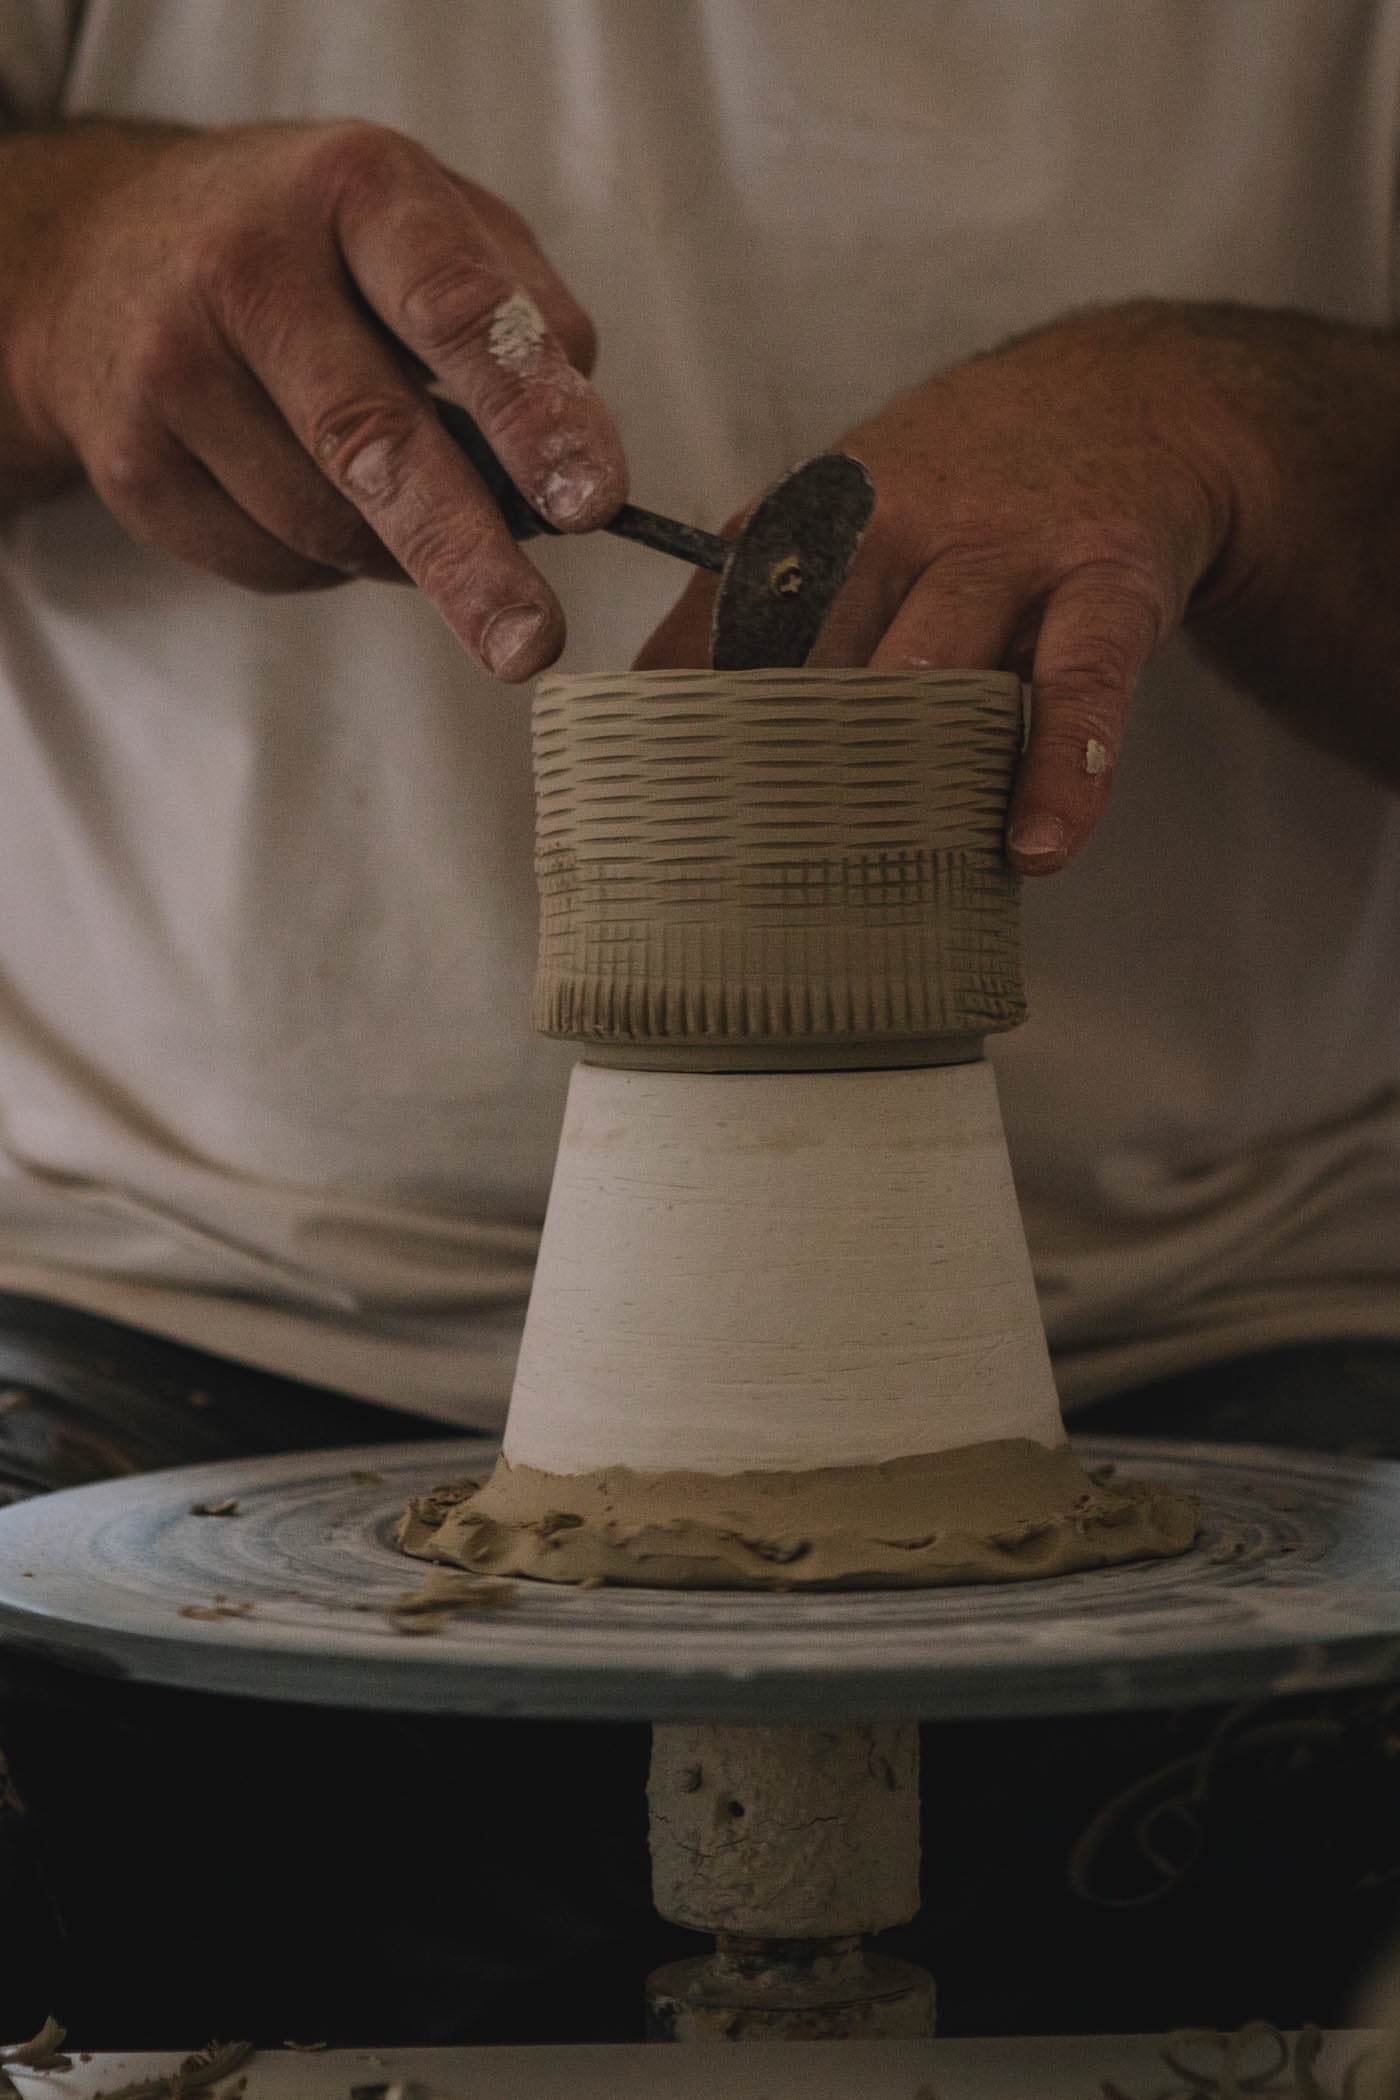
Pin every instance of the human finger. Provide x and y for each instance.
(374, 436)
(952, 621)
(681, 640)
(858, 618)
(569, 322)
(1097, 633)
(222, 416)
(168, 499)
(417, 248)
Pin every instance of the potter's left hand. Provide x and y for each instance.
(1060, 505)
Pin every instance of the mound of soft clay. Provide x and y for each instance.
(1001, 1511)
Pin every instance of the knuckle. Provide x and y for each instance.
(1122, 570)
(236, 251)
(511, 235)
(130, 475)
(516, 414)
(363, 445)
(443, 557)
(234, 269)
(544, 419)
(1079, 703)
(562, 452)
(1113, 637)
(976, 568)
(451, 307)
(1110, 621)
(357, 158)
(1108, 538)
(162, 359)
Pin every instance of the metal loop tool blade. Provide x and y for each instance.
(779, 576)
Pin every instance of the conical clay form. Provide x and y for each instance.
(784, 1331)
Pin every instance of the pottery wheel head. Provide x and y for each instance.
(1293, 1585)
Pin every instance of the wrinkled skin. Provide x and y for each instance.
(1062, 504)
(1049, 508)
(230, 332)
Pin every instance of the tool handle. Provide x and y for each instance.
(666, 535)
(670, 536)
(523, 521)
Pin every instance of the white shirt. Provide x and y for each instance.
(267, 1082)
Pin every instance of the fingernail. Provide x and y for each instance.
(509, 638)
(1037, 838)
(570, 492)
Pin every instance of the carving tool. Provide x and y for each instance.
(779, 576)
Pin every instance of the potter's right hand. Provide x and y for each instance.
(230, 334)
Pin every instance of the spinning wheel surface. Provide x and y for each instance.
(1293, 1585)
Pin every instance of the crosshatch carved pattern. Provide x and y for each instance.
(776, 856)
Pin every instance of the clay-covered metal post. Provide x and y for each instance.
(789, 1844)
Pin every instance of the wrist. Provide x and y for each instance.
(1303, 613)
(1298, 416)
(1193, 366)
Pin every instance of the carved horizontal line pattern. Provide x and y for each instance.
(771, 857)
